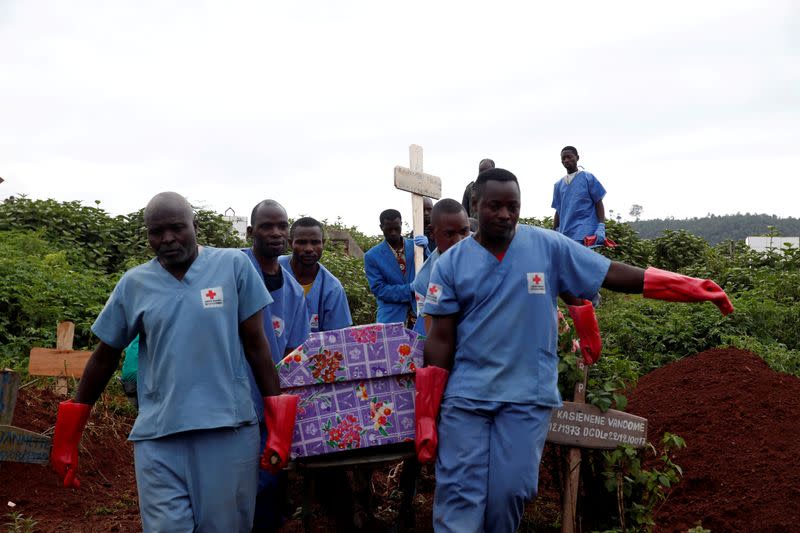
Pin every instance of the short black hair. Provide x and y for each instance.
(572, 148)
(446, 206)
(306, 222)
(263, 203)
(389, 214)
(493, 174)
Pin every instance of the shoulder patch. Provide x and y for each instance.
(433, 294)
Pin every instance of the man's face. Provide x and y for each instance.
(270, 231)
(427, 207)
(307, 244)
(392, 231)
(570, 160)
(449, 229)
(172, 235)
(498, 209)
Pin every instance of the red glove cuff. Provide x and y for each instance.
(588, 331)
(279, 415)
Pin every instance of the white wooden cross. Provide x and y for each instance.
(419, 184)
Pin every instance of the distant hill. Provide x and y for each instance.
(715, 229)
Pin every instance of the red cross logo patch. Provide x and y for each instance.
(536, 284)
(212, 297)
(434, 292)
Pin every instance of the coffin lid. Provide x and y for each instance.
(350, 354)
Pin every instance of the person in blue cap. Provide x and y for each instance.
(327, 302)
(198, 314)
(491, 362)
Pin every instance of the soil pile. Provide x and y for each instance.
(741, 423)
(107, 499)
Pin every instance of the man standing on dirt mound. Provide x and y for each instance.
(491, 361)
(198, 313)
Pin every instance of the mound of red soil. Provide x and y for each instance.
(740, 422)
(106, 500)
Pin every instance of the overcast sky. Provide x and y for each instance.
(686, 108)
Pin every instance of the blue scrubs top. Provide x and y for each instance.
(507, 328)
(327, 302)
(192, 372)
(420, 287)
(288, 313)
(575, 204)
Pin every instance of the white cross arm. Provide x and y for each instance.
(416, 182)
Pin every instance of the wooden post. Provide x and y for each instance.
(417, 206)
(569, 523)
(419, 184)
(64, 339)
(9, 386)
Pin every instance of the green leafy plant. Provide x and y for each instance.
(640, 491)
(17, 523)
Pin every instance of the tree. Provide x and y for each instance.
(636, 211)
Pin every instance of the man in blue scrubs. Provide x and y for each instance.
(390, 270)
(578, 201)
(198, 314)
(491, 361)
(287, 318)
(327, 302)
(449, 224)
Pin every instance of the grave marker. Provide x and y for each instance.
(63, 362)
(419, 184)
(16, 444)
(581, 425)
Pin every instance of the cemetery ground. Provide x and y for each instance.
(737, 416)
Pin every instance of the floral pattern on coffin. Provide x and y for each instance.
(356, 388)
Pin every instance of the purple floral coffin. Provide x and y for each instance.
(356, 388)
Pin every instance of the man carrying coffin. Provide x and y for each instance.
(491, 361)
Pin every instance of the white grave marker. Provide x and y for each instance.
(419, 184)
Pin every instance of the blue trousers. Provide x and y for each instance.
(273, 494)
(198, 481)
(487, 466)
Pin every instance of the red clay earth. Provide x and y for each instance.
(107, 499)
(740, 422)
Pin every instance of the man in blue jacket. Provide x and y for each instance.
(390, 270)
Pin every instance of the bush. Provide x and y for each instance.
(41, 288)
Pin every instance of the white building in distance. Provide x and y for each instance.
(772, 244)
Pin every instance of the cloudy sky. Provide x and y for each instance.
(686, 108)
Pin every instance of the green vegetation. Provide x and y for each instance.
(716, 229)
(641, 491)
(17, 523)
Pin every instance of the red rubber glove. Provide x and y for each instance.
(70, 421)
(588, 331)
(279, 415)
(672, 287)
(592, 239)
(430, 384)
